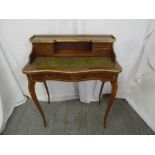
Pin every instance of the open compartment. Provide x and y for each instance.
(72, 48)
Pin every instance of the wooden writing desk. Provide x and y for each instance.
(72, 58)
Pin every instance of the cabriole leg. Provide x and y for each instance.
(47, 91)
(112, 97)
(100, 95)
(31, 86)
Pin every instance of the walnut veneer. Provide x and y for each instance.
(72, 58)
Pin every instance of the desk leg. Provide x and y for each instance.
(47, 91)
(100, 95)
(31, 87)
(112, 97)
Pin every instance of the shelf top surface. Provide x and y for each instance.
(71, 65)
(72, 38)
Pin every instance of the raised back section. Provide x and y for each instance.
(72, 45)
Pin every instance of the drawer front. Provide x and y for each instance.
(73, 77)
(42, 49)
(103, 49)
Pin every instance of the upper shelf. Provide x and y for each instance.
(72, 38)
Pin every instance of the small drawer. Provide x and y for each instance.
(44, 48)
(103, 49)
(75, 77)
(105, 76)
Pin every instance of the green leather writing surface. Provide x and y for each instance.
(72, 62)
(71, 65)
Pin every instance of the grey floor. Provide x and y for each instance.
(74, 117)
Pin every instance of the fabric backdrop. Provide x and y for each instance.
(141, 92)
(15, 49)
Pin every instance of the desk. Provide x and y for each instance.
(72, 58)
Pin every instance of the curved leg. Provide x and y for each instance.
(112, 97)
(47, 91)
(31, 87)
(100, 95)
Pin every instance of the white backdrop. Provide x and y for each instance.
(141, 92)
(15, 48)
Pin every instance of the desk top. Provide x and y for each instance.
(71, 65)
(72, 54)
(72, 38)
